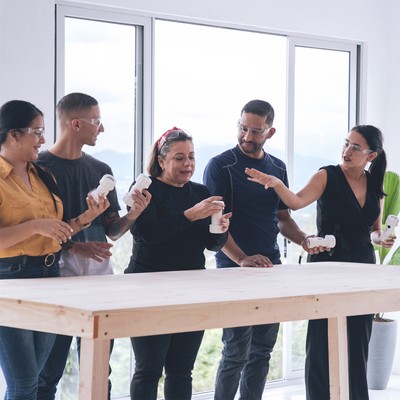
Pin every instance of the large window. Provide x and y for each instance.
(102, 55)
(149, 72)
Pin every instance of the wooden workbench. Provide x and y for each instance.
(100, 308)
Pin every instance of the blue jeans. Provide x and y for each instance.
(245, 360)
(53, 370)
(177, 353)
(23, 352)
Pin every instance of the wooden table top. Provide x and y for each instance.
(136, 304)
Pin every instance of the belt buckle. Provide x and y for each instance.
(49, 260)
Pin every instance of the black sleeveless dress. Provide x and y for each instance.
(340, 214)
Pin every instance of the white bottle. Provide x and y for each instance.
(391, 222)
(142, 182)
(215, 226)
(327, 241)
(107, 183)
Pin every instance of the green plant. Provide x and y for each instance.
(391, 186)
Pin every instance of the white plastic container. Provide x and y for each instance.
(142, 182)
(106, 184)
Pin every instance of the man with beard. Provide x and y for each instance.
(258, 216)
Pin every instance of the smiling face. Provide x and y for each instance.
(30, 140)
(179, 164)
(88, 125)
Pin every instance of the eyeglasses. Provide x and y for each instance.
(355, 148)
(38, 132)
(255, 132)
(92, 121)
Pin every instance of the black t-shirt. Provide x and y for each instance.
(75, 179)
(164, 239)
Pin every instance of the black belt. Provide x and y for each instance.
(47, 260)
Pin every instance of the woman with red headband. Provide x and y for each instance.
(171, 235)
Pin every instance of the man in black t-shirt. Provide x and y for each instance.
(78, 173)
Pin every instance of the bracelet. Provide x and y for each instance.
(79, 223)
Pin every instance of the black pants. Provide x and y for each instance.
(317, 369)
(177, 353)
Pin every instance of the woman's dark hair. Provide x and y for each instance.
(377, 169)
(162, 147)
(16, 114)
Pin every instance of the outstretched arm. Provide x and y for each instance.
(310, 193)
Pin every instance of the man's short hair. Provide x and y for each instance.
(73, 102)
(261, 108)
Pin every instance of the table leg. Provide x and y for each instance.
(338, 360)
(93, 370)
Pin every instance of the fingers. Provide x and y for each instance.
(95, 208)
(257, 261)
(58, 230)
(214, 198)
(98, 251)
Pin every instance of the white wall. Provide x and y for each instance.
(27, 42)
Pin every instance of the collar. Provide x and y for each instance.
(6, 168)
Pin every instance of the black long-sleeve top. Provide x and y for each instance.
(164, 239)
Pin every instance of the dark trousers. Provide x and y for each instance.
(176, 352)
(317, 366)
(245, 361)
(53, 370)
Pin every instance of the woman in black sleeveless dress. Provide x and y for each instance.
(349, 203)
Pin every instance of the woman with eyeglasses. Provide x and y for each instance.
(171, 235)
(31, 235)
(349, 206)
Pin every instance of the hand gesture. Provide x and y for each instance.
(225, 222)
(97, 251)
(141, 200)
(313, 250)
(388, 243)
(204, 209)
(256, 261)
(263, 179)
(53, 228)
(94, 208)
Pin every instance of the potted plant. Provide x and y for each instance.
(384, 331)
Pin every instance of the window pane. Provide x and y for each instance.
(321, 119)
(205, 75)
(100, 60)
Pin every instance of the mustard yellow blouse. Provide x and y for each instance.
(19, 204)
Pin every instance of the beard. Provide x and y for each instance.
(250, 147)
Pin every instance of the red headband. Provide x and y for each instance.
(164, 137)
